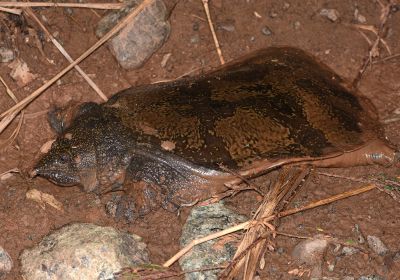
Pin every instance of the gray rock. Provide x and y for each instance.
(6, 55)
(331, 14)
(311, 252)
(377, 245)
(6, 263)
(371, 277)
(83, 249)
(202, 221)
(228, 26)
(348, 251)
(266, 31)
(145, 34)
(297, 25)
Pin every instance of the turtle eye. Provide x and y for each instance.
(64, 158)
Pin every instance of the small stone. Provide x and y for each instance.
(377, 245)
(348, 278)
(83, 249)
(228, 26)
(69, 11)
(331, 14)
(371, 277)
(359, 17)
(311, 252)
(266, 31)
(6, 55)
(331, 267)
(280, 250)
(141, 37)
(273, 14)
(202, 221)
(196, 26)
(297, 25)
(6, 263)
(286, 6)
(252, 38)
(348, 251)
(195, 39)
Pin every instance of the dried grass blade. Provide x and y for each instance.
(102, 6)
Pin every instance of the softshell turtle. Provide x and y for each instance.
(171, 143)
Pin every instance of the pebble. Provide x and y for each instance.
(6, 55)
(348, 251)
(297, 25)
(228, 26)
(348, 278)
(196, 26)
(286, 6)
(83, 249)
(202, 221)
(195, 39)
(141, 37)
(371, 277)
(266, 31)
(6, 263)
(359, 17)
(311, 252)
(331, 14)
(377, 245)
(273, 14)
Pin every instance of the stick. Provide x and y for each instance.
(207, 10)
(102, 6)
(11, 11)
(30, 12)
(10, 114)
(244, 225)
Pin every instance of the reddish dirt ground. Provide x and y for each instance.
(239, 27)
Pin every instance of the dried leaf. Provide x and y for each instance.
(43, 199)
(46, 146)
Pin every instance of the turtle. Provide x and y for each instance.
(172, 143)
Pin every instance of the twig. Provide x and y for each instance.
(207, 10)
(14, 134)
(102, 6)
(11, 11)
(245, 225)
(10, 114)
(30, 12)
(373, 51)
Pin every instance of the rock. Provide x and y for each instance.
(348, 251)
(266, 31)
(377, 245)
(331, 14)
(6, 263)
(359, 17)
(6, 55)
(311, 252)
(21, 73)
(83, 249)
(145, 34)
(228, 26)
(348, 278)
(371, 277)
(202, 221)
(297, 25)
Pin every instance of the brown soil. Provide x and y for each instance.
(23, 222)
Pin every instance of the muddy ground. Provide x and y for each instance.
(239, 26)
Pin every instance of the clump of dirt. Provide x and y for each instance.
(241, 26)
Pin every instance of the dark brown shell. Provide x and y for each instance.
(278, 103)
